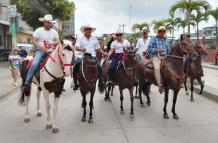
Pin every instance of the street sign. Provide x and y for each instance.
(12, 10)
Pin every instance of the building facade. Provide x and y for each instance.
(69, 25)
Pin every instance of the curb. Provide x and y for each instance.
(211, 94)
(8, 93)
(210, 67)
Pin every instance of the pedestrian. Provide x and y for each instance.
(142, 43)
(15, 60)
(158, 47)
(23, 52)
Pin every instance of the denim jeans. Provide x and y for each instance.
(39, 55)
(113, 66)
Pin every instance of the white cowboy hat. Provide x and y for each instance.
(47, 17)
(162, 28)
(87, 26)
(119, 31)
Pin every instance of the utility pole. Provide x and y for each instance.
(13, 28)
(123, 25)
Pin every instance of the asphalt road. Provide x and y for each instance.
(198, 121)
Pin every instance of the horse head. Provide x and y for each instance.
(200, 49)
(90, 70)
(66, 56)
(130, 59)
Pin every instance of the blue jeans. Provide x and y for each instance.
(39, 55)
(113, 66)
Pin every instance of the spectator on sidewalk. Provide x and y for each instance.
(23, 52)
(14, 59)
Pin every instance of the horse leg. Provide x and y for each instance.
(54, 125)
(48, 106)
(112, 90)
(84, 106)
(107, 94)
(186, 89)
(148, 99)
(136, 91)
(140, 96)
(202, 84)
(121, 101)
(192, 89)
(39, 112)
(27, 117)
(91, 107)
(132, 106)
(175, 116)
(166, 116)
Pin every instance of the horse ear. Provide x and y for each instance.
(135, 50)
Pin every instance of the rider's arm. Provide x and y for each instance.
(57, 41)
(36, 44)
(78, 46)
(111, 52)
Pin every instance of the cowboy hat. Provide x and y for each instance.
(86, 27)
(162, 28)
(48, 18)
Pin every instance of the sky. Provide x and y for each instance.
(107, 15)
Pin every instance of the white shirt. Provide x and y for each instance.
(90, 45)
(142, 45)
(41, 34)
(118, 46)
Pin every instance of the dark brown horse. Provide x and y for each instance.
(171, 72)
(87, 77)
(124, 77)
(194, 70)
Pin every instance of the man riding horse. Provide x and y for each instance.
(118, 46)
(158, 47)
(42, 34)
(89, 45)
(142, 43)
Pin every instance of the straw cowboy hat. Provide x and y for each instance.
(163, 28)
(48, 18)
(88, 26)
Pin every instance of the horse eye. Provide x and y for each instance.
(63, 54)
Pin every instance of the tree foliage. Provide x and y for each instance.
(31, 10)
(139, 27)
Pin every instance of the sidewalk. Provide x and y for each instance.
(6, 86)
(209, 65)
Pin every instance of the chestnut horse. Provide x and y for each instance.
(87, 77)
(171, 71)
(124, 77)
(194, 70)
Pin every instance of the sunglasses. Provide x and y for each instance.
(119, 34)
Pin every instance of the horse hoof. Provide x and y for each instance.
(109, 100)
(39, 114)
(83, 119)
(176, 117)
(131, 116)
(122, 112)
(90, 121)
(136, 97)
(48, 126)
(27, 120)
(192, 100)
(200, 93)
(187, 93)
(166, 116)
(149, 103)
(55, 130)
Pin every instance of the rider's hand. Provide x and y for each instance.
(43, 49)
(83, 50)
(159, 50)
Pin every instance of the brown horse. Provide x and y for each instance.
(87, 77)
(124, 77)
(194, 70)
(171, 72)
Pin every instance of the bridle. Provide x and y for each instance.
(126, 69)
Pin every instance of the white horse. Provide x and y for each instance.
(51, 81)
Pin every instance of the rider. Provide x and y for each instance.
(158, 46)
(39, 36)
(117, 47)
(142, 43)
(87, 44)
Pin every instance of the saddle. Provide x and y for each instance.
(42, 64)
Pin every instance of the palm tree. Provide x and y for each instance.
(140, 27)
(158, 23)
(183, 24)
(171, 23)
(197, 19)
(188, 6)
(214, 14)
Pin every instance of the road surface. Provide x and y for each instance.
(198, 121)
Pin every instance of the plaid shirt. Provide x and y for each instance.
(155, 43)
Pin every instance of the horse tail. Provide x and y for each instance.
(23, 73)
(146, 88)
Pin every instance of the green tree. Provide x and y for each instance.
(158, 23)
(171, 24)
(31, 10)
(140, 27)
(188, 6)
(197, 19)
(182, 23)
(214, 14)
